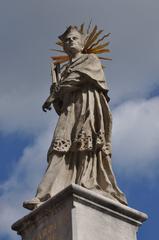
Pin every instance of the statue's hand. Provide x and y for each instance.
(46, 106)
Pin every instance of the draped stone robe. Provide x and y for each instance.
(80, 151)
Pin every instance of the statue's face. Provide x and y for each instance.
(73, 43)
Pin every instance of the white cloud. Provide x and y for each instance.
(28, 30)
(135, 152)
(22, 111)
(23, 183)
(136, 137)
(25, 41)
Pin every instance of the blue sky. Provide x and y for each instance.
(27, 30)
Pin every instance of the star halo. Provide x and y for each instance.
(94, 43)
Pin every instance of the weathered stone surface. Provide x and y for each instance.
(80, 151)
(79, 214)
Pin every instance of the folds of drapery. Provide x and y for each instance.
(80, 151)
(88, 169)
(84, 125)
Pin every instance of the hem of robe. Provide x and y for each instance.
(64, 169)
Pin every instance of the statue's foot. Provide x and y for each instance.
(32, 204)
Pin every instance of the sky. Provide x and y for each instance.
(28, 29)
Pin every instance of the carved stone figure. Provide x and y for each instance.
(80, 151)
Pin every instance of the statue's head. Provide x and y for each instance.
(73, 40)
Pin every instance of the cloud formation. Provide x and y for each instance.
(135, 153)
(136, 137)
(23, 183)
(29, 29)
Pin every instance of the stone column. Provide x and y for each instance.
(79, 214)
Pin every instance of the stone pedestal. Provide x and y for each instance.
(79, 214)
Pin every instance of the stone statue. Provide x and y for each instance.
(80, 151)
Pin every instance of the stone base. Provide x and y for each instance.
(79, 214)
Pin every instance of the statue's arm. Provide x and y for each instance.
(53, 99)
